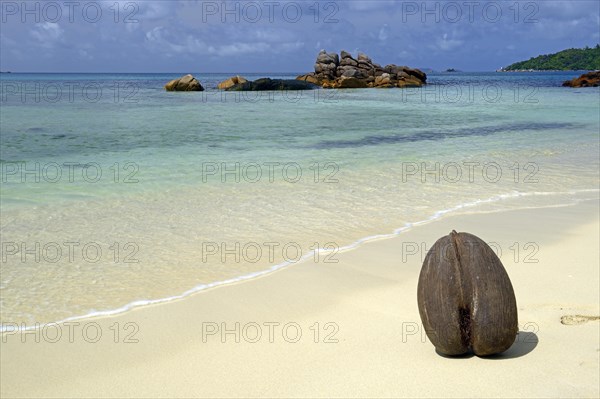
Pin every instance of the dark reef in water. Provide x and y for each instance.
(439, 135)
(267, 84)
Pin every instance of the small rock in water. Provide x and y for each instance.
(226, 84)
(590, 79)
(185, 83)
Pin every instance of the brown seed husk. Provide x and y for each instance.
(465, 297)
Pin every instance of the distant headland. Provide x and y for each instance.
(574, 59)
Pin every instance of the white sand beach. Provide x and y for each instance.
(369, 341)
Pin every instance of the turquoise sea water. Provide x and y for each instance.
(115, 192)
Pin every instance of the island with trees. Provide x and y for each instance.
(574, 59)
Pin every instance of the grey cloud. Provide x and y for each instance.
(173, 35)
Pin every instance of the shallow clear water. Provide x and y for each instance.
(114, 191)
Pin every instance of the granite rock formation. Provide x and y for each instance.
(343, 71)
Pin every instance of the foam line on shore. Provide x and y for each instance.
(202, 287)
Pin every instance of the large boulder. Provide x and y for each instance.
(326, 65)
(365, 66)
(325, 69)
(344, 55)
(422, 76)
(411, 81)
(226, 84)
(267, 84)
(364, 58)
(185, 83)
(393, 69)
(351, 73)
(590, 79)
(385, 80)
(348, 61)
(328, 58)
(351, 83)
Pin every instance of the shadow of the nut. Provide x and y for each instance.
(525, 343)
(463, 356)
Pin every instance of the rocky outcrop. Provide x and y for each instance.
(267, 84)
(590, 79)
(344, 71)
(235, 80)
(185, 83)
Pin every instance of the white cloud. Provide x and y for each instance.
(171, 42)
(47, 34)
(363, 5)
(85, 54)
(383, 33)
(163, 40)
(287, 47)
(240, 48)
(140, 10)
(173, 33)
(446, 44)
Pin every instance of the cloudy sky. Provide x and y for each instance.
(285, 36)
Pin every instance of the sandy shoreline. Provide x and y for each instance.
(368, 338)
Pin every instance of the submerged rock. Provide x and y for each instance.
(185, 83)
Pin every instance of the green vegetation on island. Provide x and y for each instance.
(574, 59)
